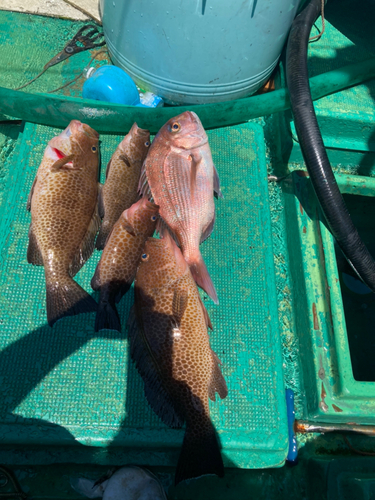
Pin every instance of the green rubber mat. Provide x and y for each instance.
(71, 386)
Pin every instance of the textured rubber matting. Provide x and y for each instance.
(70, 385)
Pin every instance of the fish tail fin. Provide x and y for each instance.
(104, 232)
(107, 317)
(200, 455)
(65, 297)
(200, 274)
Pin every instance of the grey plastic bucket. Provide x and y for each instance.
(197, 51)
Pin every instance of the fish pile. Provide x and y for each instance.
(167, 187)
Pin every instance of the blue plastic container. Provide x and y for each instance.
(111, 84)
(197, 51)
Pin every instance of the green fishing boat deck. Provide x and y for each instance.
(290, 315)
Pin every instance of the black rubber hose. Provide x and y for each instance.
(313, 150)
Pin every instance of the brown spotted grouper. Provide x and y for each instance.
(64, 217)
(120, 189)
(116, 269)
(171, 349)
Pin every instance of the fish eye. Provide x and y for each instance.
(175, 127)
(144, 257)
(93, 149)
(147, 144)
(153, 218)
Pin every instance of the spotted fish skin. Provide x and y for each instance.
(120, 189)
(182, 179)
(64, 217)
(116, 269)
(170, 346)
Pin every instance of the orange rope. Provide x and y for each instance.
(323, 26)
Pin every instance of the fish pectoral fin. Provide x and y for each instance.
(156, 391)
(179, 304)
(86, 247)
(206, 316)
(127, 226)
(188, 164)
(100, 200)
(28, 206)
(207, 232)
(62, 163)
(217, 190)
(34, 255)
(195, 162)
(123, 157)
(217, 383)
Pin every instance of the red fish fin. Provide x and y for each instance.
(62, 162)
(28, 206)
(34, 255)
(217, 383)
(179, 304)
(87, 244)
(143, 186)
(107, 316)
(156, 393)
(200, 274)
(193, 174)
(217, 190)
(200, 454)
(207, 232)
(95, 280)
(67, 298)
(100, 201)
(206, 316)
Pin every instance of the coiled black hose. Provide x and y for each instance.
(313, 150)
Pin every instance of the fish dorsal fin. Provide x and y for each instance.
(179, 304)
(28, 206)
(62, 162)
(207, 232)
(87, 245)
(100, 201)
(217, 190)
(217, 383)
(156, 392)
(206, 316)
(34, 255)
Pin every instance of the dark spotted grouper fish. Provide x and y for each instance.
(120, 189)
(116, 269)
(182, 178)
(64, 217)
(170, 346)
